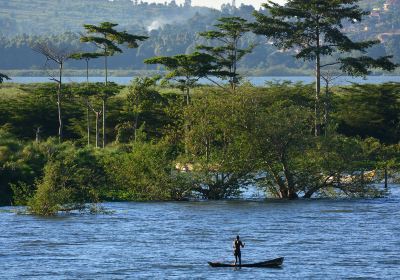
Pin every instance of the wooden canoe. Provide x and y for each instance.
(271, 263)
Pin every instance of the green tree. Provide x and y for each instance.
(186, 69)
(107, 39)
(87, 57)
(142, 96)
(315, 29)
(219, 149)
(10, 165)
(3, 77)
(144, 172)
(21, 164)
(282, 134)
(389, 161)
(369, 111)
(295, 163)
(72, 177)
(227, 52)
(90, 93)
(338, 166)
(29, 112)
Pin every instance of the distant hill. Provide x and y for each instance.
(172, 30)
(54, 16)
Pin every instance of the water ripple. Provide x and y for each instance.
(320, 239)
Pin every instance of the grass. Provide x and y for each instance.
(12, 89)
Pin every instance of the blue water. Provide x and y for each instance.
(320, 239)
(258, 81)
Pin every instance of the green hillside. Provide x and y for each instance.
(53, 16)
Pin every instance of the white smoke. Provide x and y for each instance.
(156, 24)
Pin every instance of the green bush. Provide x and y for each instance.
(144, 173)
(72, 178)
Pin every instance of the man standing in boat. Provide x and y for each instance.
(237, 243)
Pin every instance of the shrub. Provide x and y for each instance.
(71, 179)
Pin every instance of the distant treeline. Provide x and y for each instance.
(17, 53)
(171, 29)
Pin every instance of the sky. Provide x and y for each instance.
(217, 3)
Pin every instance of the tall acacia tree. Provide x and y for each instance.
(315, 29)
(107, 39)
(186, 69)
(87, 56)
(91, 93)
(227, 52)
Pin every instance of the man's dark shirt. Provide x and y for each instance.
(237, 246)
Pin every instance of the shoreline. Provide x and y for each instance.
(254, 80)
(130, 73)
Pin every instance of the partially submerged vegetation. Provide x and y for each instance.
(260, 136)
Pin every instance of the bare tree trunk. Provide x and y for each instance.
(60, 122)
(87, 104)
(104, 122)
(281, 192)
(37, 138)
(290, 187)
(58, 56)
(317, 85)
(187, 96)
(362, 177)
(186, 124)
(104, 101)
(207, 150)
(88, 125)
(87, 71)
(326, 107)
(317, 95)
(106, 66)
(386, 178)
(136, 126)
(235, 65)
(97, 130)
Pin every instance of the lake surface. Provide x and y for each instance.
(320, 239)
(258, 81)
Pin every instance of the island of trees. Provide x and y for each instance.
(66, 146)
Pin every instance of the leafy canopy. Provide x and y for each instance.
(315, 28)
(107, 37)
(86, 55)
(186, 69)
(227, 52)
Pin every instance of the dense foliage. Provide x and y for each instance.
(165, 149)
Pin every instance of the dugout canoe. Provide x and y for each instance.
(271, 263)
